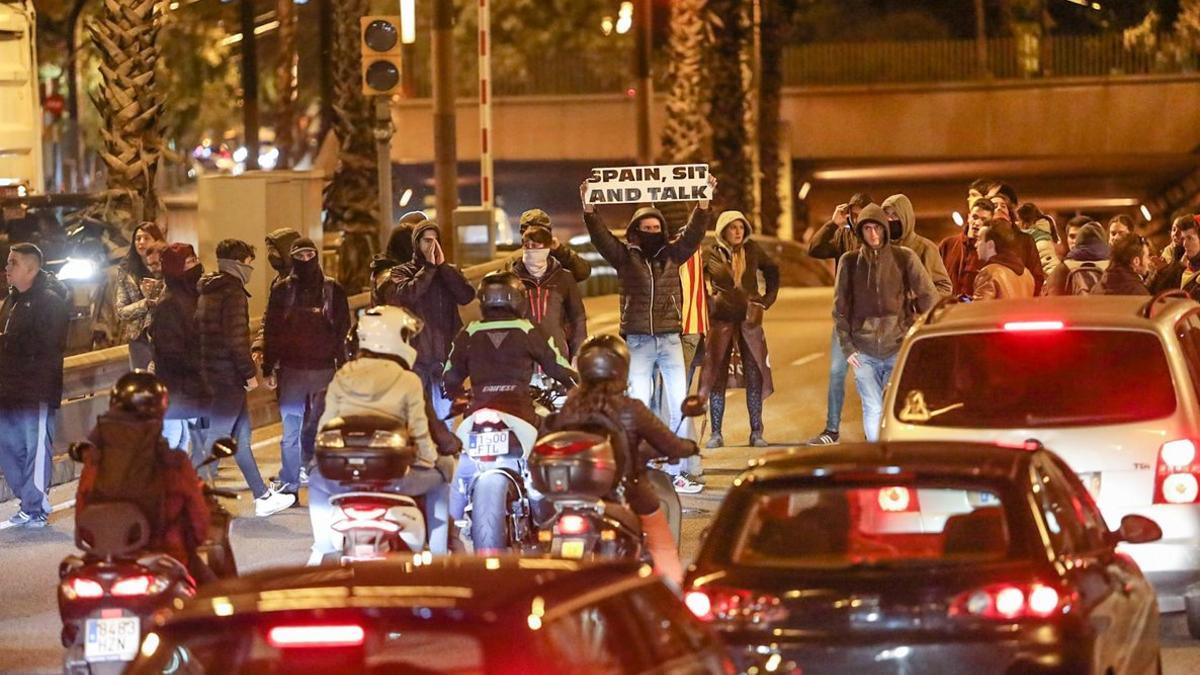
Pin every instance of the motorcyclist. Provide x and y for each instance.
(129, 460)
(380, 381)
(498, 354)
(604, 366)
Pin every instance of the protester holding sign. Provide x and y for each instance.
(651, 297)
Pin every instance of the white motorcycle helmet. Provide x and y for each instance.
(388, 330)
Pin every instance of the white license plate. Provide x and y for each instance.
(572, 548)
(112, 639)
(491, 444)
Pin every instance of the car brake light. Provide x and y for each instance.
(1177, 475)
(734, 606)
(571, 524)
(292, 637)
(1032, 326)
(130, 586)
(1008, 602)
(897, 499)
(363, 512)
(85, 588)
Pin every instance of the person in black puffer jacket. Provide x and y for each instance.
(223, 320)
(651, 294)
(399, 251)
(176, 343)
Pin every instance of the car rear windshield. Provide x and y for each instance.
(244, 647)
(1035, 379)
(873, 526)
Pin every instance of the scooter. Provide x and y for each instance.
(367, 454)
(105, 595)
(498, 513)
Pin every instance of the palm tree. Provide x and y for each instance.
(731, 113)
(352, 196)
(130, 105)
(775, 31)
(687, 134)
(285, 84)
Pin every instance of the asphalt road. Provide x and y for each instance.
(798, 333)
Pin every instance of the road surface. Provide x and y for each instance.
(797, 327)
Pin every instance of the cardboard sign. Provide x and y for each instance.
(663, 183)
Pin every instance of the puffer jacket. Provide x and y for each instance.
(1003, 277)
(872, 293)
(651, 294)
(556, 305)
(368, 386)
(925, 249)
(223, 320)
(33, 342)
(176, 342)
(731, 297)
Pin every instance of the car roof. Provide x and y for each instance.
(476, 585)
(940, 459)
(1117, 311)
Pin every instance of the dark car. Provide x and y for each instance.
(923, 558)
(459, 615)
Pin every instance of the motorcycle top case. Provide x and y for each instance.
(575, 464)
(363, 448)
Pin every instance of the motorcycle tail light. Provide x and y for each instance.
(572, 524)
(363, 512)
(1177, 474)
(143, 584)
(384, 525)
(487, 416)
(316, 636)
(1009, 602)
(559, 449)
(78, 587)
(744, 608)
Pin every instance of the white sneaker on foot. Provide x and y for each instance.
(685, 485)
(273, 502)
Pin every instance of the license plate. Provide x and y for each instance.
(112, 639)
(572, 548)
(491, 444)
(1091, 481)
(987, 498)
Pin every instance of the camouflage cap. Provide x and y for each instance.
(535, 217)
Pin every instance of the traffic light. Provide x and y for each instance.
(381, 61)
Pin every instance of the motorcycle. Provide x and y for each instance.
(106, 595)
(367, 453)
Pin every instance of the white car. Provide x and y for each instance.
(1109, 383)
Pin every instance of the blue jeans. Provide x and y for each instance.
(301, 403)
(419, 481)
(871, 377)
(26, 453)
(664, 354)
(231, 417)
(441, 404)
(837, 384)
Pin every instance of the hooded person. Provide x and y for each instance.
(432, 290)
(304, 342)
(1090, 251)
(571, 261)
(651, 299)
(279, 247)
(902, 230)
(555, 303)
(875, 292)
(1003, 275)
(732, 265)
(399, 250)
(176, 342)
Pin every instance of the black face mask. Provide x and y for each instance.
(895, 229)
(307, 271)
(651, 242)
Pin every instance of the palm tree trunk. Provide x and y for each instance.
(285, 85)
(731, 157)
(687, 134)
(130, 106)
(774, 36)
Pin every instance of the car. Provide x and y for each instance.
(923, 558)
(457, 614)
(1110, 383)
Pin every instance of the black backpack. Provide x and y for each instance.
(133, 474)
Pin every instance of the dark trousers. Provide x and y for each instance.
(301, 404)
(26, 453)
(720, 376)
(231, 417)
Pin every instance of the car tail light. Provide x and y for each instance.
(1009, 602)
(363, 511)
(897, 500)
(316, 635)
(734, 606)
(84, 588)
(1032, 326)
(1177, 475)
(142, 584)
(571, 524)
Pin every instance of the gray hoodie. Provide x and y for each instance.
(369, 386)
(873, 290)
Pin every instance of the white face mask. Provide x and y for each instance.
(536, 260)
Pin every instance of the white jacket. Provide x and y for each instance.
(368, 386)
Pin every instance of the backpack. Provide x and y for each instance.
(1083, 275)
(131, 474)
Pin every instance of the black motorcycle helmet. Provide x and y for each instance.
(139, 393)
(603, 357)
(501, 293)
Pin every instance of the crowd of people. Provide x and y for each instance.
(886, 274)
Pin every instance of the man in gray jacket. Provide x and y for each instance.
(871, 311)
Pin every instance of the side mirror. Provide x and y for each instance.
(77, 449)
(224, 447)
(1137, 529)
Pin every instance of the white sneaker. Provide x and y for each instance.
(685, 485)
(273, 502)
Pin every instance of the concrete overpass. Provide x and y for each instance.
(1099, 144)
